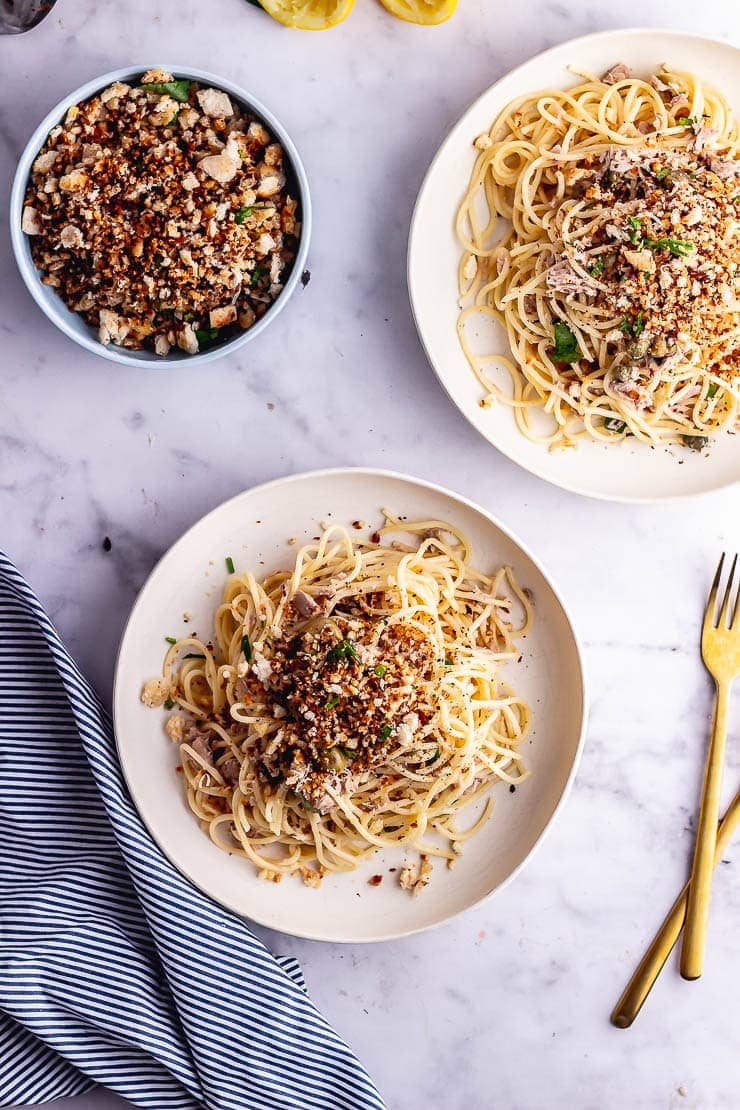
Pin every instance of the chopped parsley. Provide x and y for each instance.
(712, 391)
(229, 564)
(566, 347)
(178, 90)
(433, 757)
(677, 247)
(345, 649)
(385, 733)
(206, 336)
(243, 214)
(633, 327)
(247, 648)
(613, 425)
(333, 702)
(688, 121)
(680, 248)
(257, 273)
(598, 268)
(169, 704)
(171, 639)
(380, 670)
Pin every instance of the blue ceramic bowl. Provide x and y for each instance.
(71, 323)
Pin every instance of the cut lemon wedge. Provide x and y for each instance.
(427, 12)
(308, 15)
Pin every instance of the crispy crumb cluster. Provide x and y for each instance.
(661, 256)
(352, 688)
(161, 214)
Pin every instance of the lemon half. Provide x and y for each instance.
(427, 12)
(308, 15)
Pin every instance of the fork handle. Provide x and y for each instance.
(651, 964)
(697, 911)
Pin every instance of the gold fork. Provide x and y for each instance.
(651, 964)
(720, 649)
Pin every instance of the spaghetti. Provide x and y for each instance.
(351, 703)
(601, 227)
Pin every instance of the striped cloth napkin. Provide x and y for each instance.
(114, 970)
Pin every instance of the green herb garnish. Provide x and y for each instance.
(613, 425)
(598, 268)
(257, 273)
(387, 730)
(712, 391)
(178, 90)
(432, 758)
(380, 670)
(169, 704)
(247, 648)
(688, 121)
(678, 247)
(229, 564)
(333, 702)
(206, 336)
(663, 173)
(633, 327)
(243, 214)
(345, 649)
(171, 639)
(566, 345)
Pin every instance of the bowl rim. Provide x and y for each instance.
(56, 310)
(118, 693)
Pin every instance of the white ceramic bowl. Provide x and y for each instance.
(253, 529)
(71, 323)
(629, 471)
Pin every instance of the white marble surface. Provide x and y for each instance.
(507, 1007)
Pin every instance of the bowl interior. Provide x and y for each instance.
(253, 528)
(629, 471)
(70, 322)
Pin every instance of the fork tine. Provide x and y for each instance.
(712, 599)
(724, 615)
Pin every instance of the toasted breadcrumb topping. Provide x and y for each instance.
(351, 688)
(161, 213)
(415, 881)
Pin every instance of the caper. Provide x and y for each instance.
(696, 443)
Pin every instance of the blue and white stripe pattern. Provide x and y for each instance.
(114, 970)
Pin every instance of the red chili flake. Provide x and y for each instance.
(376, 880)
